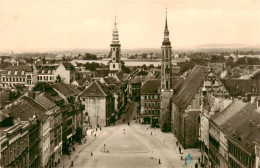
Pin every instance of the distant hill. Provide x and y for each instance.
(212, 47)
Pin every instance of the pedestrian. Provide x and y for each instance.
(185, 162)
(196, 165)
(85, 140)
(96, 129)
(151, 133)
(100, 128)
(147, 128)
(176, 143)
(199, 159)
(91, 154)
(159, 161)
(180, 149)
(95, 135)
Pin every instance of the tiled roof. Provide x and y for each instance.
(243, 128)
(110, 80)
(25, 107)
(4, 97)
(256, 74)
(18, 69)
(120, 76)
(101, 72)
(239, 87)
(151, 86)
(228, 112)
(137, 79)
(64, 89)
(44, 101)
(68, 66)
(96, 89)
(190, 86)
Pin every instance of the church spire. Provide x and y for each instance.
(166, 32)
(166, 26)
(115, 39)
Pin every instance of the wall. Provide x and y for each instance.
(64, 74)
(95, 107)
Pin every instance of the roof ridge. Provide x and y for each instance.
(101, 88)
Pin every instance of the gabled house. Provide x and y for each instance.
(187, 101)
(66, 72)
(98, 105)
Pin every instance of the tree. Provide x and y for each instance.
(58, 80)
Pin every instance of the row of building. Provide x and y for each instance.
(37, 128)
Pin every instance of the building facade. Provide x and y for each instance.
(15, 145)
(17, 75)
(98, 105)
(150, 102)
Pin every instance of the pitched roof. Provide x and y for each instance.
(64, 89)
(96, 89)
(44, 101)
(151, 86)
(68, 66)
(228, 112)
(243, 128)
(239, 87)
(18, 69)
(190, 86)
(110, 80)
(25, 107)
(137, 79)
(4, 97)
(101, 72)
(120, 76)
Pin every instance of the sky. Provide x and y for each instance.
(45, 25)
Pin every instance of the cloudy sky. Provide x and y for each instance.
(80, 24)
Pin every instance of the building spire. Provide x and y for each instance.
(166, 26)
(166, 31)
(115, 38)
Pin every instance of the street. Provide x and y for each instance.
(128, 146)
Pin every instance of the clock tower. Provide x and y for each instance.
(166, 64)
(166, 82)
(115, 64)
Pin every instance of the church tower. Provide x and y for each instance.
(115, 50)
(166, 65)
(166, 84)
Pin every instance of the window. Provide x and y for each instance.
(145, 105)
(166, 84)
(145, 111)
(149, 111)
(114, 66)
(145, 97)
(83, 99)
(153, 104)
(153, 111)
(149, 104)
(158, 111)
(158, 104)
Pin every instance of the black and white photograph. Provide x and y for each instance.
(129, 83)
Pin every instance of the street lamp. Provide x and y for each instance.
(104, 147)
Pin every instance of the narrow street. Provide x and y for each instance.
(128, 146)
